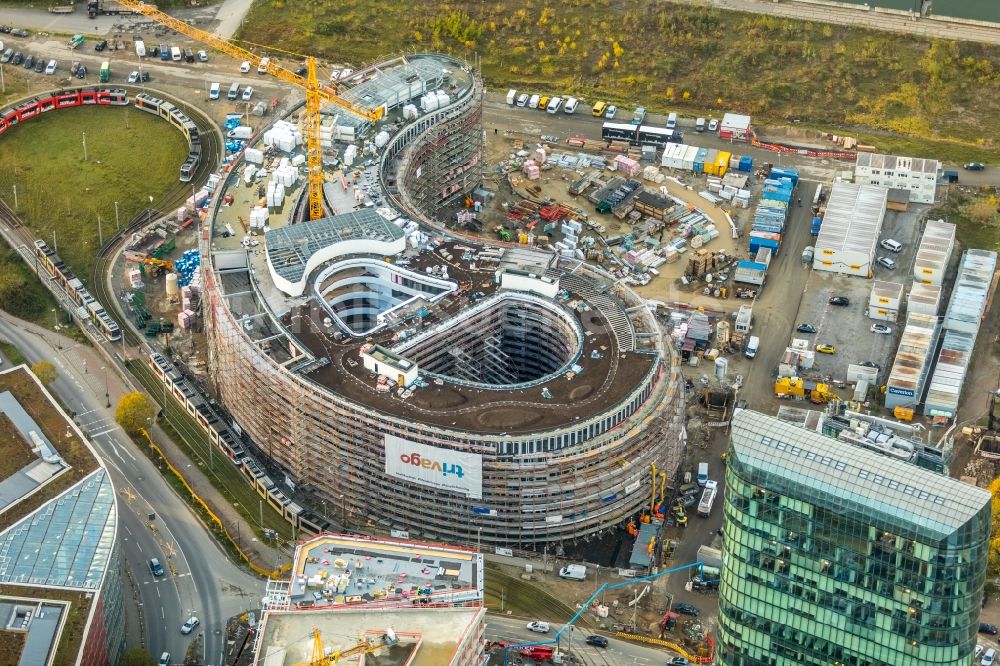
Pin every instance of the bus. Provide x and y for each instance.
(619, 132)
(105, 71)
(658, 136)
(707, 499)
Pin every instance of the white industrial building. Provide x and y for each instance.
(913, 361)
(917, 175)
(851, 227)
(885, 300)
(934, 251)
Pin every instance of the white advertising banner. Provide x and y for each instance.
(436, 467)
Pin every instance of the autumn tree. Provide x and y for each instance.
(134, 412)
(45, 371)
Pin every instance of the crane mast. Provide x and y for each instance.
(315, 94)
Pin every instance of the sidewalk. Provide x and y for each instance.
(90, 375)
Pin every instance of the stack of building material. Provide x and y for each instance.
(531, 170)
(627, 165)
(135, 278)
(258, 218)
(283, 135)
(286, 175)
(275, 194)
(253, 156)
(652, 174)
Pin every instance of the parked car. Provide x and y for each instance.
(40, 66)
(522, 99)
(881, 328)
(679, 661)
(538, 627)
(840, 300)
(247, 93)
(805, 328)
(245, 66)
(189, 625)
(101, 45)
(687, 500)
(826, 349)
(19, 32)
(611, 111)
(5, 29)
(891, 245)
(990, 629)
(870, 364)
(17, 59)
(886, 262)
(598, 641)
(133, 77)
(713, 125)
(75, 67)
(975, 166)
(979, 652)
(202, 56)
(82, 72)
(990, 658)
(7, 55)
(164, 659)
(144, 77)
(29, 62)
(687, 609)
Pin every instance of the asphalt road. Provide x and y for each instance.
(199, 579)
(618, 652)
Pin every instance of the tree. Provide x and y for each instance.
(137, 657)
(134, 412)
(45, 371)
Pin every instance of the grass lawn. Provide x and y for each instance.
(16, 450)
(13, 354)
(670, 57)
(131, 155)
(975, 214)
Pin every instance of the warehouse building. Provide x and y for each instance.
(885, 300)
(934, 252)
(917, 175)
(913, 361)
(961, 324)
(849, 236)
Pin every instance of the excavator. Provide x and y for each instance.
(320, 657)
(158, 264)
(315, 94)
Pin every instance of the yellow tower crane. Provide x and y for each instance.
(320, 658)
(315, 94)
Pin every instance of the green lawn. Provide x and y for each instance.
(976, 214)
(22, 295)
(666, 56)
(130, 156)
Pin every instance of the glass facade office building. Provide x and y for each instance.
(835, 555)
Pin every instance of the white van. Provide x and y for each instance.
(699, 125)
(511, 96)
(533, 102)
(213, 92)
(262, 67)
(51, 67)
(892, 245)
(571, 105)
(140, 48)
(752, 347)
(234, 91)
(573, 572)
(702, 474)
(672, 121)
(175, 53)
(245, 66)
(554, 105)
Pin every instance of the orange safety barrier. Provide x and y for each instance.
(694, 659)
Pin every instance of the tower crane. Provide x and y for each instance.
(318, 657)
(315, 94)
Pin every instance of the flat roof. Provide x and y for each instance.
(341, 569)
(289, 248)
(913, 352)
(972, 287)
(853, 219)
(830, 473)
(427, 636)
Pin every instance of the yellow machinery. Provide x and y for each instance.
(315, 94)
(802, 388)
(159, 263)
(319, 658)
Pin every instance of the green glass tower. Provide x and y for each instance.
(836, 555)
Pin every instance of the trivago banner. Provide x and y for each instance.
(432, 466)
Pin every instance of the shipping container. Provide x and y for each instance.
(750, 272)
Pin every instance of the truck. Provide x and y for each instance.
(816, 224)
(62, 9)
(105, 71)
(573, 572)
(511, 96)
(76, 41)
(707, 499)
(140, 48)
(752, 346)
(97, 8)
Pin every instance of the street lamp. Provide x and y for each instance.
(107, 393)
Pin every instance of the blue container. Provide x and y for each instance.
(746, 163)
(785, 172)
(816, 224)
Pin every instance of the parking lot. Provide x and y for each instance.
(848, 328)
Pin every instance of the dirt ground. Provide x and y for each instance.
(554, 184)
